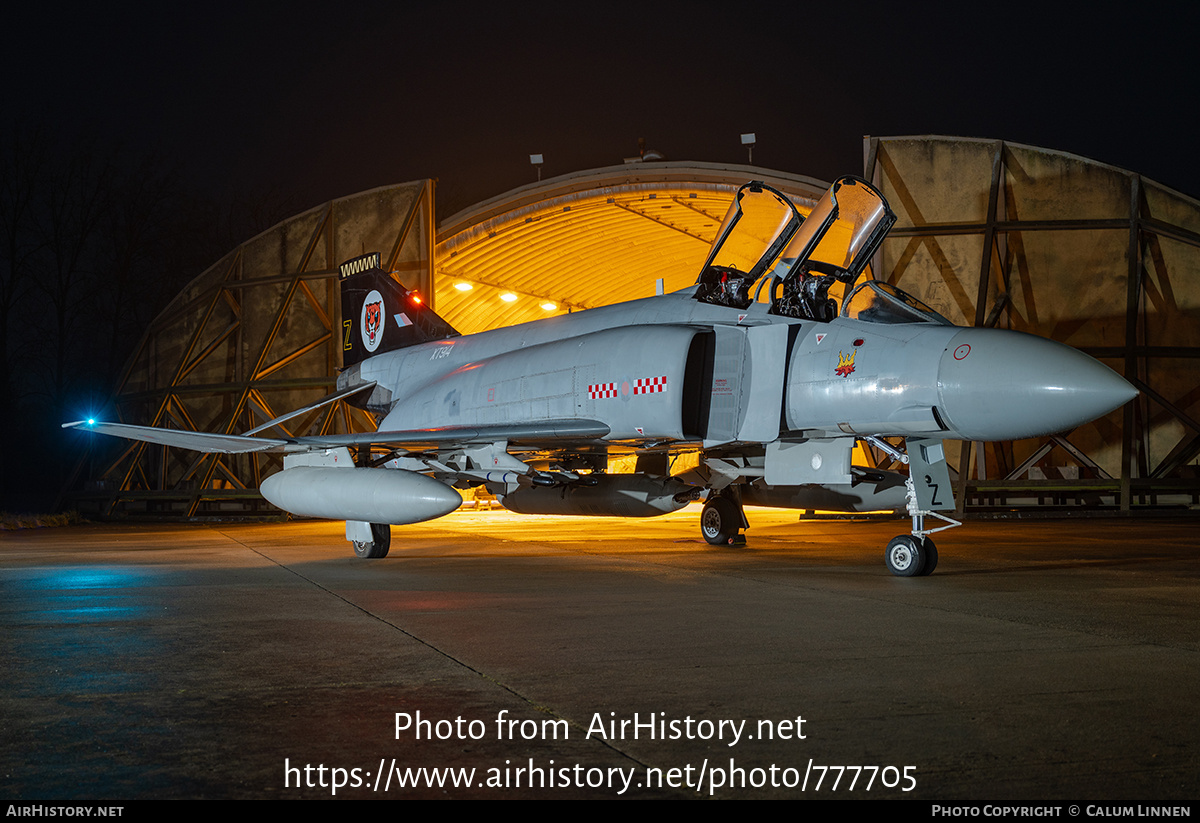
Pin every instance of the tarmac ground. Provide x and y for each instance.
(497, 655)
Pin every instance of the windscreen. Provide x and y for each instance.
(878, 302)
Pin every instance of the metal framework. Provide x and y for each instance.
(254, 336)
(1000, 234)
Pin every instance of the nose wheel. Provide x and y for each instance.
(909, 556)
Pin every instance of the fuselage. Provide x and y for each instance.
(673, 368)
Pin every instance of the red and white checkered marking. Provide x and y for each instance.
(643, 385)
(649, 385)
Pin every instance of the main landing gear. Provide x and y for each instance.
(381, 541)
(722, 521)
(927, 492)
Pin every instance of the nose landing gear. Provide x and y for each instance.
(915, 555)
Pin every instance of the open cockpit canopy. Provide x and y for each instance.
(757, 227)
(764, 234)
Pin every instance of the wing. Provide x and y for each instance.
(210, 442)
(198, 441)
(542, 431)
(324, 401)
(552, 431)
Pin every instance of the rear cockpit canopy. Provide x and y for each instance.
(758, 225)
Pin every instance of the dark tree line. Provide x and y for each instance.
(94, 242)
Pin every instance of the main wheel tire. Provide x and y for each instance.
(719, 522)
(905, 556)
(381, 534)
(931, 558)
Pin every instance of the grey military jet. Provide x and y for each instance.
(750, 387)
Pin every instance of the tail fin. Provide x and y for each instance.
(380, 315)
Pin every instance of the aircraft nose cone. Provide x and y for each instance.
(1004, 385)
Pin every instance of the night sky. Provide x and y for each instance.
(322, 100)
(271, 109)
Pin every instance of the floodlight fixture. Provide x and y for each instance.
(748, 141)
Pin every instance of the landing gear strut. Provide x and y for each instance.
(915, 555)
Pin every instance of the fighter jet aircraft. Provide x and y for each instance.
(751, 386)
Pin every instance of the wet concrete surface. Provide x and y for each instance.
(1044, 660)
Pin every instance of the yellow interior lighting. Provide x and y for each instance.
(580, 247)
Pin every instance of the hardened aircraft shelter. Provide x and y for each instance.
(989, 233)
(1010, 236)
